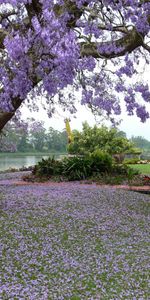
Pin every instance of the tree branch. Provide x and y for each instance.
(3, 34)
(33, 9)
(147, 47)
(128, 43)
(124, 45)
(7, 116)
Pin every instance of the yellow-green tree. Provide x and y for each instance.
(92, 138)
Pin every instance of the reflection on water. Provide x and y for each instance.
(9, 161)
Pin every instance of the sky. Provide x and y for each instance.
(131, 125)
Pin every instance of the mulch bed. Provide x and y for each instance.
(145, 188)
(16, 179)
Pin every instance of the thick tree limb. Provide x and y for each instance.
(3, 34)
(7, 116)
(147, 47)
(124, 45)
(33, 9)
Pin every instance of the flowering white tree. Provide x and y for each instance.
(47, 45)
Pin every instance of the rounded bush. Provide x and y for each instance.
(100, 161)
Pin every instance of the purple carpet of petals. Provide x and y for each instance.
(73, 242)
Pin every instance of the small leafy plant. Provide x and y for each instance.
(48, 167)
(77, 168)
(131, 174)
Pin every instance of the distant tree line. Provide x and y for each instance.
(141, 143)
(32, 137)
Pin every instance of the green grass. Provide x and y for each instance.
(142, 168)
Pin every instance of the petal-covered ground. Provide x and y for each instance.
(74, 242)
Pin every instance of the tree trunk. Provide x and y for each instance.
(4, 118)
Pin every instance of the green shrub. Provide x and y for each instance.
(123, 170)
(119, 169)
(48, 167)
(76, 168)
(100, 161)
(131, 173)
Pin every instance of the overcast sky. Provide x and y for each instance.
(130, 124)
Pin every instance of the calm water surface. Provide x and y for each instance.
(10, 161)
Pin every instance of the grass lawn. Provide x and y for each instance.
(73, 242)
(142, 168)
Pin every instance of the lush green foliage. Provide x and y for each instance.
(100, 161)
(90, 139)
(97, 167)
(48, 167)
(75, 168)
(119, 169)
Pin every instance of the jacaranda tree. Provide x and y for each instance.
(92, 45)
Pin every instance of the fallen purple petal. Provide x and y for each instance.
(73, 241)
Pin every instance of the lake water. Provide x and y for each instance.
(14, 161)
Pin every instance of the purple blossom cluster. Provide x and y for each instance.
(52, 45)
(73, 241)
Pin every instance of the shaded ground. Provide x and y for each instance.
(74, 242)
